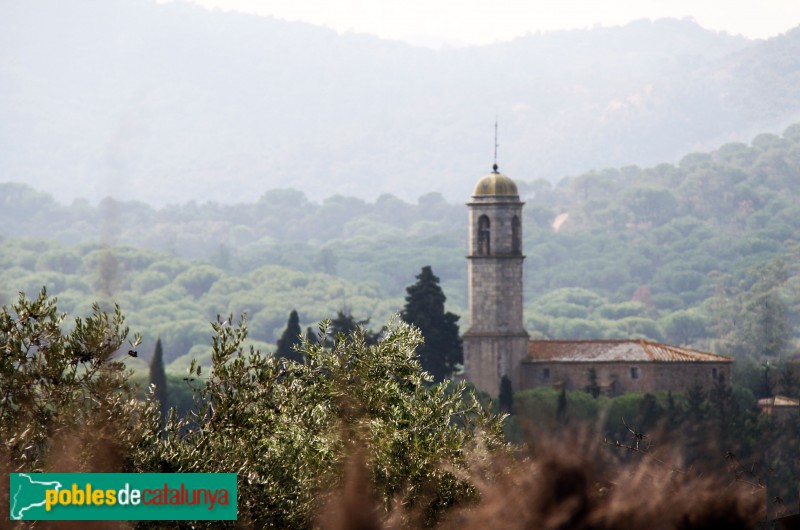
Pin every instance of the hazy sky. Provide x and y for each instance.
(483, 21)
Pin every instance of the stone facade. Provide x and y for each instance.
(616, 378)
(621, 366)
(487, 358)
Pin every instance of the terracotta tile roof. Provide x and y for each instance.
(779, 401)
(615, 351)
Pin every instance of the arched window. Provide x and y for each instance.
(484, 244)
(516, 236)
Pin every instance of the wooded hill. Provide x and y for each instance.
(166, 103)
(701, 253)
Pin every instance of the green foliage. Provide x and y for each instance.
(651, 205)
(751, 317)
(767, 329)
(287, 427)
(441, 350)
(688, 276)
(158, 379)
(65, 389)
(701, 426)
(622, 310)
(683, 327)
(542, 410)
(198, 280)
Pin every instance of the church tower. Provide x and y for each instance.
(496, 342)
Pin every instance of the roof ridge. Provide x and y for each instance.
(596, 348)
(572, 341)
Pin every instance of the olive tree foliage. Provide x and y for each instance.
(59, 389)
(287, 428)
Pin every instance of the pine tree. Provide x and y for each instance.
(158, 377)
(345, 324)
(424, 308)
(289, 339)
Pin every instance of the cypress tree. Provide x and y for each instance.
(289, 339)
(311, 335)
(561, 407)
(424, 308)
(695, 398)
(593, 387)
(158, 377)
(506, 397)
(650, 411)
(673, 413)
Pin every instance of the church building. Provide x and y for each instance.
(496, 344)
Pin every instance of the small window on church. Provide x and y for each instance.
(545, 373)
(714, 373)
(634, 373)
(484, 244)
(516, 236)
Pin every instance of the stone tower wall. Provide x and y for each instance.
(487, 358)
(494, 292)
(496, 342)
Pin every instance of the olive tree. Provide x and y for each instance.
(65, 394)
(287, 428)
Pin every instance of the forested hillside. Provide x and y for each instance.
(166, 103)
(702, 253)
(707, 250)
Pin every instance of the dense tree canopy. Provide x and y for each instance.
(698, 274)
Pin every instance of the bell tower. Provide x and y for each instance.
(496, 341)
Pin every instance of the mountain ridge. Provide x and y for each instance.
(166, 103)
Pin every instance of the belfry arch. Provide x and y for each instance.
(484, 236)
